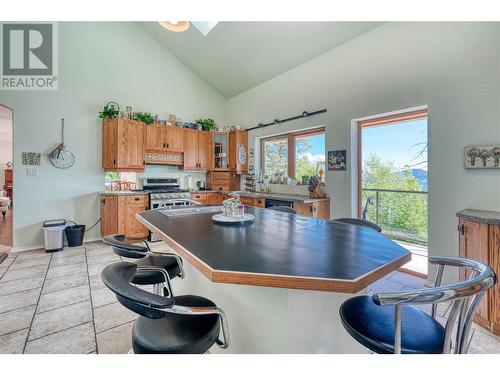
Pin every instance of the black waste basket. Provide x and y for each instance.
(74, 235)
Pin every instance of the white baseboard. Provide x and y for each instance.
(42, 246)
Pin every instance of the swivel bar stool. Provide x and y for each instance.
(157, 268)
(385, 323)
(166, 325)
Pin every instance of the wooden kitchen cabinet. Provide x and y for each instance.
(319, 210)
(197, 150)
(123, 145)
(480, 241)
(155, 138)
(208, 198)
(238, 151)
(118, 215)
(163, 138)
(223, 181)
(255, 202)
(175, 138)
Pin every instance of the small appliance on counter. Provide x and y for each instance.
(201, 185)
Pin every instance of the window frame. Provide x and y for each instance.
(375, 121)
(291, 138)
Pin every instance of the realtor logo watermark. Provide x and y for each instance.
(29, 56)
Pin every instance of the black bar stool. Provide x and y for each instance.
(385, 323)
(286, 209)
(364, 223)
(167, 325)
(156, 268)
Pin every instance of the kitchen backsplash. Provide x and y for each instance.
(173, 171)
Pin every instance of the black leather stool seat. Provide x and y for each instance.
(146, 277)
(177, 334)
(373, 326)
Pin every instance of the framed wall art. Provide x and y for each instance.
(477, 157)
(337, 160)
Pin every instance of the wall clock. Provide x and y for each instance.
(242, 155)
(60, 157)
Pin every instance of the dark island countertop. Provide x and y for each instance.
(280, 250)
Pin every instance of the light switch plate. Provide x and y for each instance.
(32, 172)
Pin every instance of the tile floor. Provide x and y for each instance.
(57, 303)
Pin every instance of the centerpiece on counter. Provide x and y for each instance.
(233, 212)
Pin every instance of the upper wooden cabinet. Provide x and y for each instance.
(197, 150)
(123, 145)
(162, 138)
(155, 138)
(175, 139)
(238, 151)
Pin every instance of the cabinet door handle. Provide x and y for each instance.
(168, 146)
(310, 209)
(114, 161)
(137, 199)
(164, 145)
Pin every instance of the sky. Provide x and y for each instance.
(317, 151)
(393, 142)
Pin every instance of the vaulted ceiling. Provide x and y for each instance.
(236, 56)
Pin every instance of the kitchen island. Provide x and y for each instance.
(280, 280)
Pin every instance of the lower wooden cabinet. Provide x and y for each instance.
(255, 202)
(481, 242)
(319, 210)
(118, 215)
(208, 198)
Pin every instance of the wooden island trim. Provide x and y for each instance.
(279, 281)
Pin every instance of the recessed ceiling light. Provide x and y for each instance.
(176, 26)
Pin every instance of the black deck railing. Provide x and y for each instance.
(402, 214)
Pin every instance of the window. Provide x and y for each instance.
(309, 156)
(276, 157)
(297, 155)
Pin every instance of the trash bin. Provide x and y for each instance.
(53, 232)
(74, 235)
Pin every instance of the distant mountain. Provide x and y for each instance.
(421, 176)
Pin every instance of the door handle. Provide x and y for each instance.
(137, 199)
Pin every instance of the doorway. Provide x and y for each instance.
(6, 178)
(393, 180)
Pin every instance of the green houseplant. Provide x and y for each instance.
(206, 124)
(110, 110)
(145, 117)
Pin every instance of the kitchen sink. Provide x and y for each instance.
(190, 210)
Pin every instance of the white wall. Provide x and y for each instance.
(453, 68)
(98, 62)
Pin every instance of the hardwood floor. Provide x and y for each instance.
(6, 230)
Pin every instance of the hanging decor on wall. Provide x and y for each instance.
(337, 160)
(477, 157)
(31, 158)
(60, 157)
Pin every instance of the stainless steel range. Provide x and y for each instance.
(165, 192)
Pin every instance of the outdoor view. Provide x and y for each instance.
(309, 157)
(394, 179)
